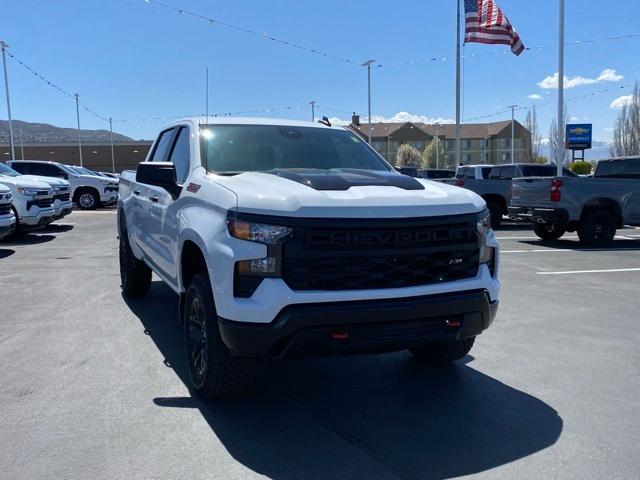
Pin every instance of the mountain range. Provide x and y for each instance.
(30, 133)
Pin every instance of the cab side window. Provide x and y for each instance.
(161, 150)
(181, 155)
(46, 170)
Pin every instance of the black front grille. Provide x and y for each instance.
(65, 197)
(361, 254)
(43, 202)
(5, 208)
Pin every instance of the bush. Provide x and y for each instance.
(581, 168)
(408, 156)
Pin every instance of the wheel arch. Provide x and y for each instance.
(495, 198)
(606, 203)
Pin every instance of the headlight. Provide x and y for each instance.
(28, 192)
(258, 232)
(484, 229)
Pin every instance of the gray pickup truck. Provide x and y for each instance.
(493, 183)
(594, 207)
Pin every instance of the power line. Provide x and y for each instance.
(507, 52)
(265, 36)
(56, 87)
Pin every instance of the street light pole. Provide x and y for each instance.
(313, 110)
(78, 118)
(6, 88)
(368, 64)
(113, 156)
(560, 149)
(513, 131)
(21, 146)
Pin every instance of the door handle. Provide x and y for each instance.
(154, 199)
(136, 192)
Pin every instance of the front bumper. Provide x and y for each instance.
(7, 225)
(109, 198)
(41, 219)
(539, 215)
(362, 326)
(62, 209)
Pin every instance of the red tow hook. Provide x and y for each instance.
(453, 323)
(340, 335)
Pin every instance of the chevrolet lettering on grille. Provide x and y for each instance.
(338, 239)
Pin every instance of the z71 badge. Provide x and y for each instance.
(193, 187)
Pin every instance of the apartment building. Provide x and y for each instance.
(488, 143)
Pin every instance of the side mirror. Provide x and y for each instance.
(65, 176)
(159, 174)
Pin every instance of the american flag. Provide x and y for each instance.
(485, 23)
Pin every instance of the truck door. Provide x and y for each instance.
(163, 218)
(142, 195)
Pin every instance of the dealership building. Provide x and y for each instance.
(96, 156)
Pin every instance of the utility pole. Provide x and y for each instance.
(437, 145)
(78, 118)
(313, 110)
(513, 131)
(560, 149)
(4, 47)
(458, 85)
(206, 101)
(113, 156)
(368, 64)
(21, 146)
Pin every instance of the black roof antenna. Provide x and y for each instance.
(325, 121)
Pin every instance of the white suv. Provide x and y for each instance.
(88, 191)
(7, 218)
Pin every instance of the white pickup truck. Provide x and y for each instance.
(31, 200)
(7, 218)
(87, 190)
(285, 238)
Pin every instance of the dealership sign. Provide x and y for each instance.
(579, 136)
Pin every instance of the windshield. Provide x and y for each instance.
(230, 149)
(8, 171)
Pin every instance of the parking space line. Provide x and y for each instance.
(570, 272)
(552, 250)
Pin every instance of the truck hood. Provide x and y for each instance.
(21, 181)
(346, 194)
(53, 181)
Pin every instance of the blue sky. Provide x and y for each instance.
(129, 59)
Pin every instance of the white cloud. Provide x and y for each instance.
(535, 96)
(607, 75)
(400, 117)
(574, 119)
(621, 101)
(545, 141)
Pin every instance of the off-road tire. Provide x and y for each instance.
(135, 276)
(549, 232)
(495, 212)
(222, 373)
(597, 228)
(442, 353)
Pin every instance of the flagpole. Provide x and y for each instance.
(458, 85)
(560, 149)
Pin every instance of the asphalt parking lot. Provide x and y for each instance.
(94, 386)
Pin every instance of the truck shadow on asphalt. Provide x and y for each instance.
(574, 244)
(360, 417)
(6, 252)
(27, 239)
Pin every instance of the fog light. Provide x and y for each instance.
(258, 266)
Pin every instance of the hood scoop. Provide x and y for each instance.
(344, 179)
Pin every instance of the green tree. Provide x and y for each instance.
(433, 152)
(408, 156)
